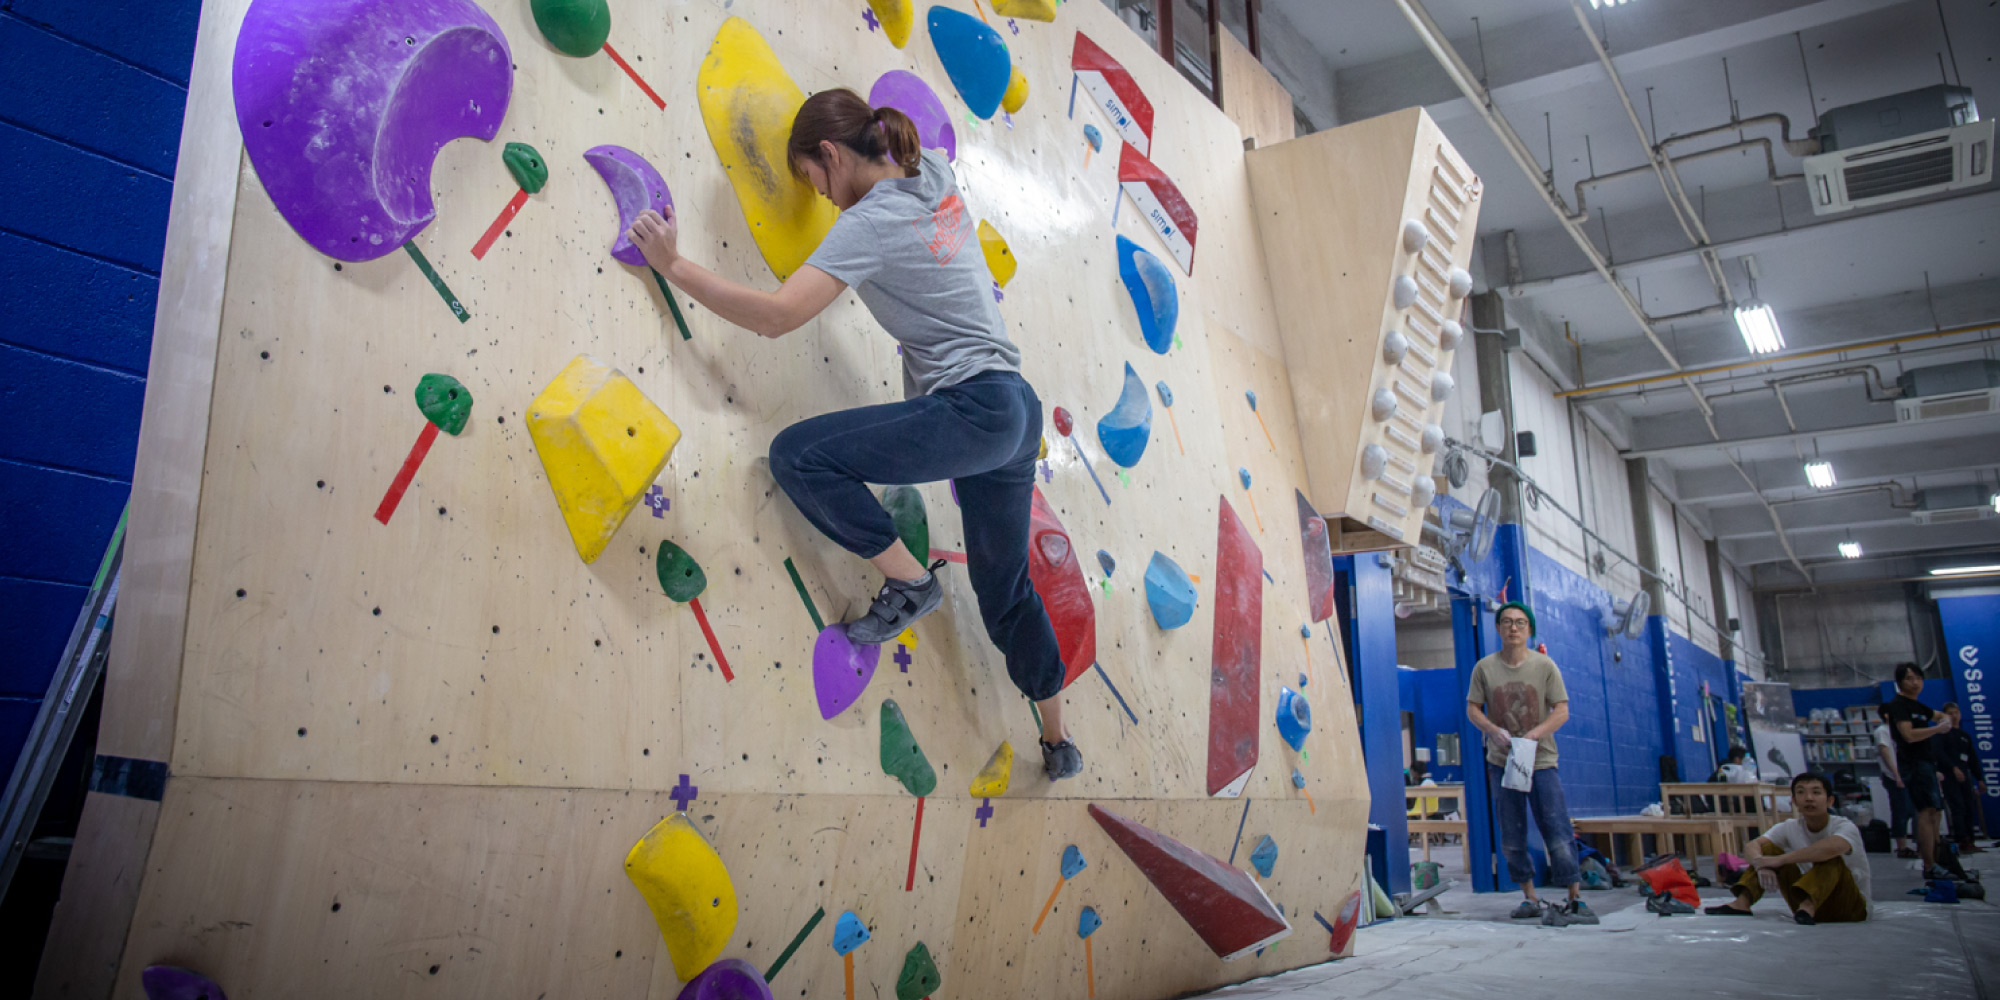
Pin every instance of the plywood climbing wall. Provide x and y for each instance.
(409, 753)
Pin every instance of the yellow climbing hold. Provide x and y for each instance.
(896, 17)
(1045, 450)
(685, 883)
(748, 102)
(991, 781)
(1016, 93)
(1033, 10)
(999, 259)
(909, 637)
(602, 443)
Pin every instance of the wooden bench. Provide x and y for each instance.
(1429, 799)
(1427, 828)
(1703, 837)
(1752, 808)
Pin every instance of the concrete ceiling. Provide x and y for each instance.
(1834, 281)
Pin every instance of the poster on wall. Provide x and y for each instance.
(1971, 621)
(1774, 731)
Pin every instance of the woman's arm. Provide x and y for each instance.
(767, 314)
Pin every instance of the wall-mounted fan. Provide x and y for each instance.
(1628, 618)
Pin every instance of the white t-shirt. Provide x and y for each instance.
(1885, 745)
(1792, 835)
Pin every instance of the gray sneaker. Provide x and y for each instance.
(1579, 912)
(1554, 915)
(1528, 910)
(1061, 760)
(896, 608)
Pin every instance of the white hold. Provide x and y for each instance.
(1415, 236)
(1384, 404)
(1441, 386)
(1449, 334)
(1394, 346)
(1422, 491)
(1461, 283)
(1433, 438)
(1374, 459)
(1404, 292)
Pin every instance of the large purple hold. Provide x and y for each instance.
(165, 982)
(728, 979)
(907, 92)
(636, 187)
(344, 104)
(841, 670)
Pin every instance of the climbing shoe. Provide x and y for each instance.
(1061, 760)
(1528, 910)
(1556, 916)
(897, 607)
(1579, 912)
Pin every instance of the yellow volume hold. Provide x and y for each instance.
(1033, 10)
(602, 443)
(896, 17)
(992, 780)
(748, 102)
(685, 883)
(999, 259)
(1016, 94)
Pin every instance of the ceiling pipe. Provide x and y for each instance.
(1777, 524)
(1770, 172)
(1769, 359)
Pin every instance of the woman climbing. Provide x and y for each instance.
(904, 242)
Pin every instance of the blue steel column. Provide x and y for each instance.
(1371, 620)
(1482, 837)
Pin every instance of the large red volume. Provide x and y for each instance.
(1112, 88)
(1058, 580)
(1234, 691)
(1223, 905)
(1319, 560)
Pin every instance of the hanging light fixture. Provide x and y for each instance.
(1850, 550)
(1820, 475)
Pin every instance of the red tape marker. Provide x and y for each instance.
(499, 225)
(622, 64)
(713, 646)
(406, 473)
(956, 557)
(910, 881)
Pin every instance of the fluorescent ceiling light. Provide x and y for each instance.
(1820, 475)
(1996, 501)
(1595, 4)
(1760, 329)
(1850, 550)
(1965, 570)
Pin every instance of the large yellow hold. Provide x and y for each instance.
(1016, 94)
(993, 779)
(999, 259)
(1033, 10)
(748, 103)
(896, 17)
(685, 883)
(602, 443)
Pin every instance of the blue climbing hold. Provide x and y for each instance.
(1166, 394)
(1295, 718)
(1251, 395)
(1265, 857)
(1104, 559)
(1125, 431)
(1298, 780)
(1302, 680)
(1072, 862)
(1169, 592)
(1153, 294)
(1089, 922)
(848, 933)
(1305, 631)
(974, 57)
(1244, 474)
(1094, 137)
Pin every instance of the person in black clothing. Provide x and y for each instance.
(1914, 726)
(1963, 784)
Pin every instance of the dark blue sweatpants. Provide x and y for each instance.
(983, 434)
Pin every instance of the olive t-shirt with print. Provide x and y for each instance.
(1517, 699)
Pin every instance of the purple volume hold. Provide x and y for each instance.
(728, 979)
(636, 187)
(841, 670)
(344, 104)
(165, 982)
(907, 92)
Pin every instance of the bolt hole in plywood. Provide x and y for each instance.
(517, 838)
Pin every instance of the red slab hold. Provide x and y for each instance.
(1319, 560)
(1343, 928)
(1234, 694)
(1058, 579)
(1161, 202)
(1226, 907)
(1113, 90)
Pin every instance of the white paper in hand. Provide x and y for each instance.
(1520, 774)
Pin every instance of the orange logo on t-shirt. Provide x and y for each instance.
(949, 229)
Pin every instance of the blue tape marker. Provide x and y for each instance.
(1115, 694)
(1239, 831)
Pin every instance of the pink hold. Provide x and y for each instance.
(841, 670)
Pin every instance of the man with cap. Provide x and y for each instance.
(1519, 693)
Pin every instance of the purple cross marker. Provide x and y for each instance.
(683, 794)
(984, 812)
(902, 657)
(1015, 28)
(998, 295)
(1048, 474)
(868, 14)
(656, 498)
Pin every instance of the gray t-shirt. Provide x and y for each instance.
(1517, 699)
(908, 248)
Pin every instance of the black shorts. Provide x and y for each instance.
(1921, 780)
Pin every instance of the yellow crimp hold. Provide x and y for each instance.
(1045, 449)
(999, 259)
(602, 443)
(685, 883)
(1033, 10)
(991, 781)
(909, 637)
(748, 103)
(896, 17)
(1016, 93)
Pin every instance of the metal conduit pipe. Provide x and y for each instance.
(1770, 167)
(1796, 147)
(1896, 491)
(1763, 378)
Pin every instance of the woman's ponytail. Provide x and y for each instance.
(901, 135)
(842, 116)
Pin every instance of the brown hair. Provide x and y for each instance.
(842, 116)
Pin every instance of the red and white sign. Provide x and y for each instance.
(1165, 208)
(1114, 91)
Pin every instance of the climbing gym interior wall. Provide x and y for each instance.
(459, 570)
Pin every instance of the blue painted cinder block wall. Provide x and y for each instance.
(91, 99)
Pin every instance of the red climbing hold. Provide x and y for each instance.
(1234, 693)
(1058, 580)
(1223, 905)
(1319, 560)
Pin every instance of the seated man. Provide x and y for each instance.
(1818, 861)
(1736, 770)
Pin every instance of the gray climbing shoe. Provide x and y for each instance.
(896, 608)
(1528, 910)
(1579, 912)
(1061, 760)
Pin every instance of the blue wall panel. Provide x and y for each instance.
(1436, 705)
(63, 303)
(62, 194)
(67, 414)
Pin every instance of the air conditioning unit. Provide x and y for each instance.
(1939, 392)
(1954, 504)
(1899, 147)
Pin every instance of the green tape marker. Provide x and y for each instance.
(443, 290)
(818, 625)
(786, 955)
(672, 306)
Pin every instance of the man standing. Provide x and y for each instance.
(1914, 725)
(1963, 784)
(1518, 692)
(1816, 859)
(1900, 813)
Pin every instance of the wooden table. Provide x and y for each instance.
(1715, 834)
(1429, 799)
(1752, 808)
(1433, 793)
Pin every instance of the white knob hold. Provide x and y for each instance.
(1423, 490)
(1374, 459)
(1384, 405)
(1461, 283)
(1415, 236)
(1404, 292)
(1441, 386)
(1449, 334)
(1433, 438)
(1394, 346)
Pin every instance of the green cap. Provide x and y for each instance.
(1524, 610)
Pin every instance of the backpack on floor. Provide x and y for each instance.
(1664, 875)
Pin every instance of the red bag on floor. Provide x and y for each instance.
(1666, 875)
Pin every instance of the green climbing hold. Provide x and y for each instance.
(526, 165)
(574, 27)
(904, 761)
(444, 401)
(680, 576)
(906, 507)
(920, 976)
